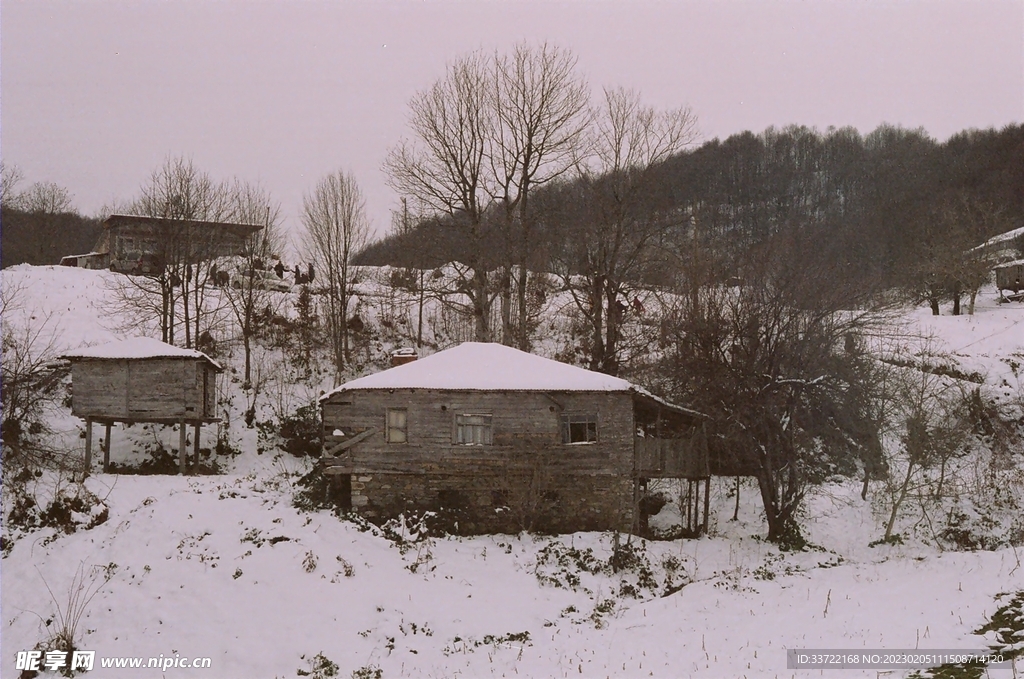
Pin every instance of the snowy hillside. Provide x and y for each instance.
(225, 567)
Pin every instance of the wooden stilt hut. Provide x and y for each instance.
(143, 380)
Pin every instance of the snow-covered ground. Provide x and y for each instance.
(225, 567)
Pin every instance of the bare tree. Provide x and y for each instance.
(935, 429)
(247, 295)
(44, 197)
(487, 134)
(618, 219)
(445, 170)
(542, 112)
(777, 366)
(950, 260)
(10, 176)
(30, 381)
(970, 222)
(180, 192)
(334, 215)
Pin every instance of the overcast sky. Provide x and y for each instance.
(96, 95)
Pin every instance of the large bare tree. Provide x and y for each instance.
(44, 198)
(485, 136)
(179, 191)
(444, 169)
(542, 112)
(334, 216)
(780, 368)
(247, 295)
(618, 218)
(10, 176)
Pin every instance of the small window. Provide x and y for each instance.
(473, 429)
(579, 428)
(398, 425)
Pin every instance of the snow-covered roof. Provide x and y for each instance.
(87, 254)
(138, 348)
(479, 366)
(1006, 265)
(1001, 238)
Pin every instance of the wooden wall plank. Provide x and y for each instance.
(523, 424)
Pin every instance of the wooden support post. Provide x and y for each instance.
(195, 448)
(106, 450)
(635, 518)
(736, 510)
(695, 502)
(181, 447)
(707, 502)
(686, 506)
(88, 446)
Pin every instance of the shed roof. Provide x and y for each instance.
(1002, 238)
(479, 366)
(1007, 265)
(137, 348)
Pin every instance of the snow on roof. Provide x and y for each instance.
(478, 366)
(138, 348)
(87, 254)
(1007, 265)
(1001, 238)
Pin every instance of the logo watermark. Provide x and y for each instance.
(85, 661)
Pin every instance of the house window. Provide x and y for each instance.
(579, 428)
(398, 425)
(473, 429)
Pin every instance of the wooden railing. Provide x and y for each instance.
(675, 458)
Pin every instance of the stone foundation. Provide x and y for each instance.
(565, 503)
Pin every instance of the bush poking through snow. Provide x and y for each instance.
(563, 566)
(1005, 631)
(1007, 626)
(71, 506)
(320, 667)
(317, 491)
(894, 539)
(158, 460)
(460, 645)
(301, 432)
(346, 568)
(81, 591)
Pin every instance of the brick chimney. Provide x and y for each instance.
(403, 356)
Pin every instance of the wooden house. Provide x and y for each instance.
(142, 380)
(510, 440)
(141, 245)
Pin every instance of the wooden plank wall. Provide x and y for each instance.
(99, 388)
(1010, 278)
(158, 387)
(525, 426)
(163, 388)
(673, 458)
(210, 387)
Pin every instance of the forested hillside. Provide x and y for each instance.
(44, 237)
(875, 207)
